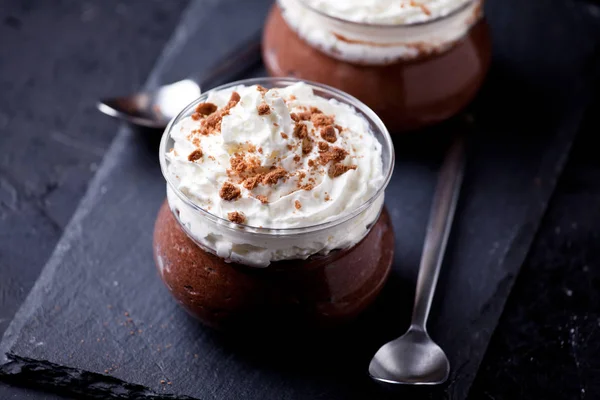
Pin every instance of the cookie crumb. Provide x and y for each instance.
(300, 131)
(195, 155)
(229, 192)
(206, 108)
(297, 204)
(263, 199)
(263, 109)
(328, 133)
(338, 169)
(274, 176)
(321, 120)
(284, 135)
(262, 89)
(236, 217)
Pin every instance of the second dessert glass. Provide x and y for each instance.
(193, 251)
(412, 75)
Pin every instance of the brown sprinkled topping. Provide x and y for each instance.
(262, 89)
(297, 158)
(300, 131)
(251, 182)
(284, 135)
(195, 155)
(338, 169)
(307, 145)
(304, 116)
(315, 110)
(321, 120)
(206, 108)
(323, 146)
(260, 150)
(327, 198)
(297, 204)
(274, 176)
(295, 117)
(251, 148)
(229, 192)
(212, 123)
(237, 217)
(339, 128)
(263, 109)
(311, 163)
(263, 199)
(335, 154)
(328, 133)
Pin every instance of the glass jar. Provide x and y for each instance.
(412, 75)
(216, 269)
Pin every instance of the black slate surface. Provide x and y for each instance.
(547, 345)
(64, 318)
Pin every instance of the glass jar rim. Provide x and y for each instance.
(338, 94)
(439, 18)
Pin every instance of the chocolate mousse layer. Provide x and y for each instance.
(320, 292)
(407, 95)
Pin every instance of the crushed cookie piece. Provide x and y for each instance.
(323, 146)
(339, 128)
(304, 116)
(263, 199)
(275, 124)
(229, 192)
(274, 176)
(321, 120)
(338, 169)
(206, 108)
(263, 109)
(297, 204)
(307, 145)
(308, 187)
(328, 133)
(300, 131)
(251, 182)
(260, 150)
(238, 164)
(311, 163)
(297, 158)
(195, 155)
(335, 154)
(262, 89)
(233, 100)
(292, 97)
(236, 217)
(251, 148)
(196, 116)
(327, 198)
(295, 117)
(315, 110)
(284, 135)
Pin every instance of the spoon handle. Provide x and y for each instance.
(438, 230)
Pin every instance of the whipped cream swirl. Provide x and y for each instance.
(279, 158)
(390, 30)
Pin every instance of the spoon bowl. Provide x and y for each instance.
(412, 359)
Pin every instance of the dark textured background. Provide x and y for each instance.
(547, 335)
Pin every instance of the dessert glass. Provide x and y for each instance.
(412, 75)
(322, 290)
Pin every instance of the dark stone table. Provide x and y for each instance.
(58, 57)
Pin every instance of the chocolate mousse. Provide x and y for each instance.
(421, 84)
(274, 211)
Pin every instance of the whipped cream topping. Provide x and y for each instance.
(386, 12)
(381, 45)
(279, 158)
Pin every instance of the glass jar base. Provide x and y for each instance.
(320, 292)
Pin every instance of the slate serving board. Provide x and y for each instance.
(99, 321)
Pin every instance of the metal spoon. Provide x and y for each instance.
(154, 109)
(414, 358)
